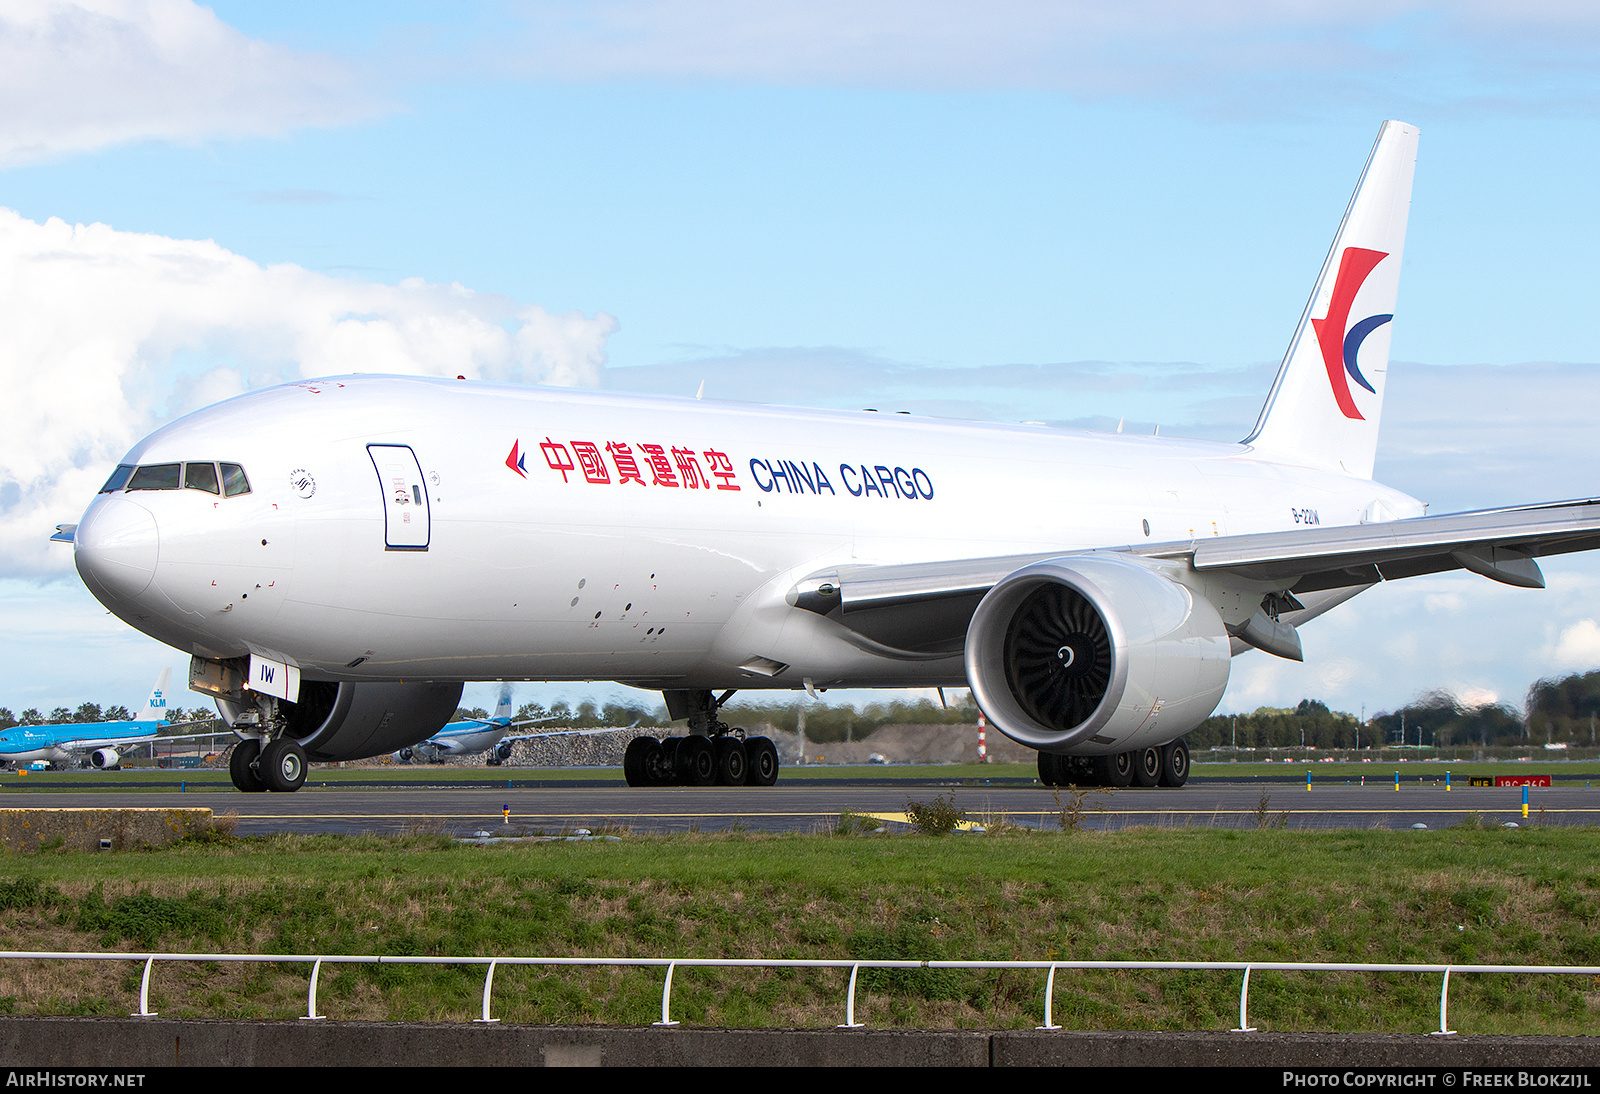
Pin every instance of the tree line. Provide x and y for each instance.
(824, 723)
(94, 712)
(1557, 710)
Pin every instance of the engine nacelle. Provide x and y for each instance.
(1095, 654)
(104, 757)
(340, 721)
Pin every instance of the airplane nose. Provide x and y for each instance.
(116, 548)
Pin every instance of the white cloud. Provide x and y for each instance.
(1379, 48)
(83, 74)
(1336, 673)
(1579, 646)
(104, 333)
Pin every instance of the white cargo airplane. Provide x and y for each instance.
(396, 536)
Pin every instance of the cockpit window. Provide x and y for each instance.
(233, 481)
(118, 479)
(172, 476)
(201, 476)
(157, 476)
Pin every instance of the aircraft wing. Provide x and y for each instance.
(1498, 543)
(223, 732)
(920, 611)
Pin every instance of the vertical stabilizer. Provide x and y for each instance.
(155, 707)
(1324, 407)
(502, 709)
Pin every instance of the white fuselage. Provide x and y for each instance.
(462, 739)
(519, 563)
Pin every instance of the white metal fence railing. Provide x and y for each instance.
(671, 964)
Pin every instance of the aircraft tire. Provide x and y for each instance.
(659, 763)
(1147, 767)
(761, 761)
(282, 766)
(242, 766)
(1115, 770)
(634, 771)
(732, 761)
(696, 761)
(1175, 763)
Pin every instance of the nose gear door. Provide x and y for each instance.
(405, 497)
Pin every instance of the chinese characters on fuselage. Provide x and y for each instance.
(655, 465)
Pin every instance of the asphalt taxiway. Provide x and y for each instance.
(802, 806)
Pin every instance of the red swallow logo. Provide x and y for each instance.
(1340, 343)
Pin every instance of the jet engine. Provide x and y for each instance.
(104, 758)
(341, 721)
(1095, 654)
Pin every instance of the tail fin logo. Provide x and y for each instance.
(1339, 340)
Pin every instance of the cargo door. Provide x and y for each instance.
(405, 498)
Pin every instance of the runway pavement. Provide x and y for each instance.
(809, 807)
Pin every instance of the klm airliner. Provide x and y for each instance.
(96, 742)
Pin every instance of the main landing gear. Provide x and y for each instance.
(267, 762)
(1167, 765)
(714, 753)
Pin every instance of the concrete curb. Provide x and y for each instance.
(161, 1042)
(112, 829)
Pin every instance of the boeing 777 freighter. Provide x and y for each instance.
(339, 555)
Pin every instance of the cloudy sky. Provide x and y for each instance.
(1006, 209)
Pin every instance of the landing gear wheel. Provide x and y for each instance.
(242, 766)
(1147, 767)
(732, 762)
(634, 770)
(282, 765)
(761, 757)
(1174, 763)
(659, 763)
(1115, 770)
(696, 761)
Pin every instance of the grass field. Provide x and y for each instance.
(1458, 895)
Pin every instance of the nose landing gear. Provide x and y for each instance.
(267, 762)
